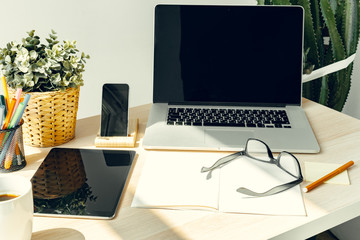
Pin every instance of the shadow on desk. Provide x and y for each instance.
(136, 223)
(141, 223)
(60, 233)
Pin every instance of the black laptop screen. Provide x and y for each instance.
(231, 55)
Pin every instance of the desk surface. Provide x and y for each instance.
(326, 206)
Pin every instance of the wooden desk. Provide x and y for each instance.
(326, 206)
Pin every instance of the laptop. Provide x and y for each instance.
(223, 74)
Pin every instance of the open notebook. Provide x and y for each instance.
(173, 180)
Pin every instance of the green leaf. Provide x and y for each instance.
(67, 65)
(29, 46)
(324, 91)
(56, 67)
(54, 37)
(337, 44)
(310, 40)
(338, 81)
(34, 41)
(317, 25)
(333, 5)
(31, 33)
(311, 31)
(350, 26)
(281, 2)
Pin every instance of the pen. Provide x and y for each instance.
(328, 176)
(2, 114)
(16, 116)
(9, 140)
(4, 135)
(5, 90)
(5, 147)
(25, 103)
(17, 152)
(2, 101)
(10, 123)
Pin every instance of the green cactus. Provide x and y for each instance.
(338, 21)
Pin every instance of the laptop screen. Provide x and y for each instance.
(228, 55)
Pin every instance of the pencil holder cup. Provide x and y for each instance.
(12, 155)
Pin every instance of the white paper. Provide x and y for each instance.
(174, 180)
(258, 177)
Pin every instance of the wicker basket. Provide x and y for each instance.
(50, 117)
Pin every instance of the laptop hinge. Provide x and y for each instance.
(227, 104)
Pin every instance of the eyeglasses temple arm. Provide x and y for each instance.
(222, 161)
(272, 191)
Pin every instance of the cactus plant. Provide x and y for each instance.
(331, 34)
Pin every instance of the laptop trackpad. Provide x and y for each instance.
(227, 137)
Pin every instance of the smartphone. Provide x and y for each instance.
(114, 110)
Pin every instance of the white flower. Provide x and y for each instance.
(8, 59)
(33, 54)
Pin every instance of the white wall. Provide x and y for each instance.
(118, 35)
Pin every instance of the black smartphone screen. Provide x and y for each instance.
(114, 110)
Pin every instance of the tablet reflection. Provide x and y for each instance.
(59, 185)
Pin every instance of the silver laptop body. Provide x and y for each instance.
(223, 74)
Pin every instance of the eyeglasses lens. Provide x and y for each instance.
(289, 163)
(258, 150)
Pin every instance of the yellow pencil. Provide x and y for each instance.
(8, 161)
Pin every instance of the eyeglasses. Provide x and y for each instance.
(258, 150)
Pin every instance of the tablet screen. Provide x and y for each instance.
(81, 182)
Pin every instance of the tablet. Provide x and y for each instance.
(85, 183)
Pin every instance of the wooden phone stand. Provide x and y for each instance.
(128, 141)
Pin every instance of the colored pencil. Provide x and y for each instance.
(328, 176)
(9, 113)
(18, 98)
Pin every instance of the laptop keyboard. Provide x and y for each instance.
(228, 117)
